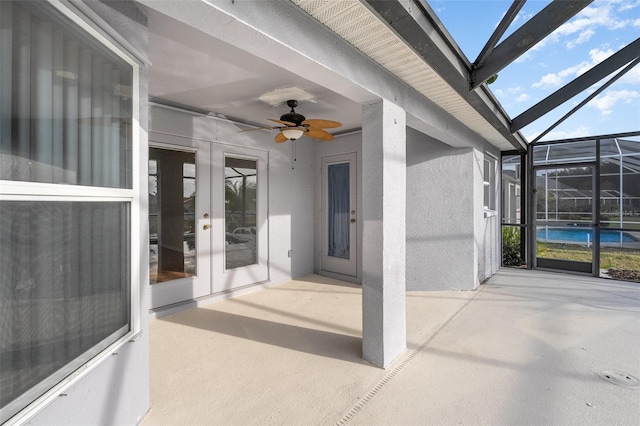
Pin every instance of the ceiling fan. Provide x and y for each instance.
(294, 125)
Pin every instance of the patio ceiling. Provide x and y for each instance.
(203, 73)
(196, 71)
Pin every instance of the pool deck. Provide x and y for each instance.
(527, 347)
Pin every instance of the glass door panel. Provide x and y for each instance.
(240, 187)
(172, 201)
(240, 243)
(565, 228)
(339, 206)
(179, 221)
(338, 210)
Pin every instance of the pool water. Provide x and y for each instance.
(579, 235)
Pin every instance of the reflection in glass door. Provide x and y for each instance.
(172, 202)
(565, 219)
(339, 206)
(179, 222)
(240, 187)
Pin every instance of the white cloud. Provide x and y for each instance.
(515, 90)
(629, 5)
(549, 80)
(523, 98)
(552, 80)
(584, 37)
(598, 55)
(500, 93)
(631, 77)
(597, 15)
(578, 132)
(606, 102)
(524, 57)
(521, 16)
(600, 14)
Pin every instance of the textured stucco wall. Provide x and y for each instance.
(452, 243)
(441, 204)
(116, 391)
(383, 232)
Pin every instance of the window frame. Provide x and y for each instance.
(490, 162)
(38, 192)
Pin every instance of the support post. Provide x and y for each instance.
(384, 232)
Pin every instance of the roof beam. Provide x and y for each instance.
(499, 31)
(418, 26)
(528, 35)
(588, 99)
(622, 57)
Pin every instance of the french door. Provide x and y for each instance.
(339, 214)
(179, 221)
(208, 225)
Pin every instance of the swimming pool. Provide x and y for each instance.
(582, 235)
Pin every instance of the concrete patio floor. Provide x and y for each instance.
(527, 347)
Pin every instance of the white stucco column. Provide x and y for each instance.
(384, 234)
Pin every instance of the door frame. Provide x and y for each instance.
(335, 265)
(188, 288)
(229, 279)
(594, 226)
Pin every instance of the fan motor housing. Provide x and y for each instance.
(293, 117)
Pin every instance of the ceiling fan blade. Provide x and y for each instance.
(280, 138)
(316, 133)
(323, 124)
(258, 128)
(286, 123)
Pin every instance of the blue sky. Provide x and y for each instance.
(587, 39)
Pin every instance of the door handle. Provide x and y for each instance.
(206, 226)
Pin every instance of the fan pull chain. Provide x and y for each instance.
(293, 154)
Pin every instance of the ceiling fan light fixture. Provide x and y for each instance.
(292, 133)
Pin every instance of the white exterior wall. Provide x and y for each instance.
(116, 391)
(450, 244)
(290, 192)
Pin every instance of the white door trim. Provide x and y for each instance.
(179, 290)
(228, 279)
(335, 264)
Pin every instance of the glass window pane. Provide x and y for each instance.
(64, 291)
(241, 184)
(338, 206)
(69, 101)
(511, 189)
(172, 210)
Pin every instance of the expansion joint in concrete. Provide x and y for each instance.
(362, 403)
